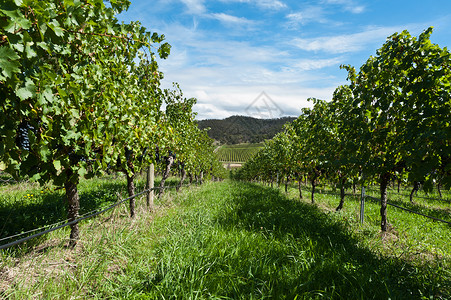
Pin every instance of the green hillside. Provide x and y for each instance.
(241, 129)
(239, 153)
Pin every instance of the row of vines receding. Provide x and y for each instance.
(391, 122)
(80, 94)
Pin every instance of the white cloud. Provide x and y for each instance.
(348, 42)
(333, 44)
(312, 14)
(318, 13)
(348, 5)
(195, 6)
(316, 64)
(308, 15)
(227, 75)
(265, 4)
(272, 4)
(229, 19)
(229, 89)
(227, 69)
(225, 101)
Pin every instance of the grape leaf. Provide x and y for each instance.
(8, 62)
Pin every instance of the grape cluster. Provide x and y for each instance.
(157, 154)
(22, 139)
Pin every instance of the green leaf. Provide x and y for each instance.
(44, 46)
(35, 177)
(8, 62)
(23, 93)
(82, 171)
(164, 50)
(45, 153)
(57, 164)
(45, 97)
(70, 135)
(55, 26)
(18, 47)
(16, 21)
(26, 92)
(30, 51)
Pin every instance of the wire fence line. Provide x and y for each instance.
(84, 217)
(409, 210)
(420, 196)
(9, 180)
(33, 230)
(98, 212)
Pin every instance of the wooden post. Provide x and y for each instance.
(362, 203)
(150, 185)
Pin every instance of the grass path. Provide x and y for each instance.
(220, 241)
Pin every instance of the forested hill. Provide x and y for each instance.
(241, 129)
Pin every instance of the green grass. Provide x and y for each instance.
(414, 237)
(27, 206)
(232, 241)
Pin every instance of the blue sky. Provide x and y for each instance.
(233, 55)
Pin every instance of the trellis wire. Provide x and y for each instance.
(409, 210)
(95, 213)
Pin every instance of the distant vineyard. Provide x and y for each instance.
(238, 153)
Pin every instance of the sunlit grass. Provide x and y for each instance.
(236, 241)
(27, 206)
(410, 236)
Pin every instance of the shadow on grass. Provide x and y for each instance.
(439, 213)
(417, 206)
(6, 180)
(341, 266)
(291, 250)
(24, 215)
